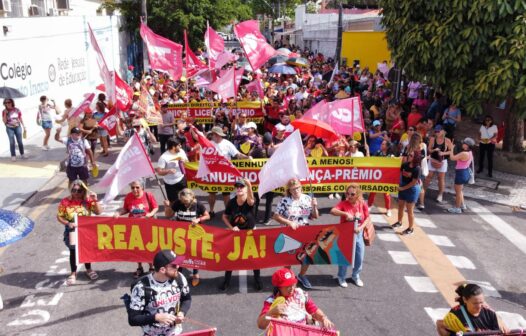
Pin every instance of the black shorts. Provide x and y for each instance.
(75, 173)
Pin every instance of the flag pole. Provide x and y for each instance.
(151, 166)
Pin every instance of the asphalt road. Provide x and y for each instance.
(398, 297)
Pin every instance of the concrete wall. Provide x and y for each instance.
(370, 48)
(53, 56)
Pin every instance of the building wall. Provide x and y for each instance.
(370, 48)
(21, 8)
(53, 56)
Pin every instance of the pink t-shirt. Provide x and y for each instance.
(360, 209)
(464, 164)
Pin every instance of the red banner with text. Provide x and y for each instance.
(203, 113)
(105, 239)
(327, 175)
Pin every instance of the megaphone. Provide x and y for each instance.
(285, 243)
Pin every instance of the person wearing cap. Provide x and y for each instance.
(353, 149)
(79, 151)
(171, 167)
(290, 303)
(284, 125)
(463, 172)
(229, 151)
(376, 136)
(170, 300)
(437, 163)
(239, 215)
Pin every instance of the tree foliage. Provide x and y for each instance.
(170, 18)
(474, 50)
(270, 7)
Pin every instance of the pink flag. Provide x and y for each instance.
(123, 94)
(288, 161)
(344, 115)
(192, 64)
(164, 54)
(214, 45)
(224, 58)
(207, 332)
(106, 75)
(109, 122)
(212, 160)
(82, 107)
(255, 86)
(131, 164)
(228, 85)
(254, 44)
(280, 327)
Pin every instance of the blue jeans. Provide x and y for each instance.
(358, 259)
(12, 133)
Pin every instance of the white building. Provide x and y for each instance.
(27, 8)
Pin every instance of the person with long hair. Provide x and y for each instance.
(90, 130)
(295, 210)
(416, 143)
(408, 190)
(45, 119)
(463, 173)
(290, 303)
(488, 133)
(472, 314)
(437, 163)
(79, 203)
(353, 210)
(14, 126)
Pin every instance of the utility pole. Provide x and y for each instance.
(339, 38)
(144, 15)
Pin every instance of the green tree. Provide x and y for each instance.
(170, 18)
(473, 50)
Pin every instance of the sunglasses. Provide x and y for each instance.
(239, 187)
(351, 194)
(76, 191)
(135, 188)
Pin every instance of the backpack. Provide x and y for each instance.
(149, 292)
(76, 153)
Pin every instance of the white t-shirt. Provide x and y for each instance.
(297, 211)
(227, 149)
(171, 161)
(356, 154)
(488, 132)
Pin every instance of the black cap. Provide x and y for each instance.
(166, 257)
(75, 130)
(240, 183)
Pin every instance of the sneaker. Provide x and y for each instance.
(23, 157)
(463, 207)
(388, 213)
(420, 206)
(342, 283)
(358, 282)
(407, 232)
(454, 210)
(13, 158)
(331, 196)
(439, 198)
(338, 197)
(396, 225)
(45, 148)
(304, 281)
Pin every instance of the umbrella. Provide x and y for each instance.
(298, 61)
(277, 59)
(9, 92)
(282, 69)
(293, 54)
(317, 128)
(283, 51)
(13, 227)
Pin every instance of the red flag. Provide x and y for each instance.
(164, 54)
(82, 107)
(344, 115)
(279, 327)
(214, 45)
(106, 75)
(211, 160)
(207, 332)
(228, 85)
(109, 122)
(254, 44)
(123, 94)
(255, 86)
(131, 164)
(192, 64)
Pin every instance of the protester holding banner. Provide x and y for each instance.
(353, 211)
(138, 204)
(239, 215)
(79, 203)
(290, 303)
(295, 210)
(171, 167)
(187, 209)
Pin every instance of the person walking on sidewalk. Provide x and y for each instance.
(463, 173)
(488, 133)
(239, 215)
(14, 125)
(45, 119)
(437, 163)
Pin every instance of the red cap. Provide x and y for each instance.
(283, 278)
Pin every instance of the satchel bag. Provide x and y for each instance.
(369, 234)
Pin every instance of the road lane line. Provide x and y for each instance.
(425, 222)
(510, 233)
(461, 262)
(243, 282)
(391, 237)
(402, 257)
(421, 284)
(440, 240)
(489, 290)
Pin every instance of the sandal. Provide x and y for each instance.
(195, 280)
(92, 275)
(138, 273)
(396, 225)
(71, 280)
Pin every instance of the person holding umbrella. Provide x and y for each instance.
(14, 125)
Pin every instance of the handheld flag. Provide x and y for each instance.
(164, 54)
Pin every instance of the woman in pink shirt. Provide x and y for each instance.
(463, 172)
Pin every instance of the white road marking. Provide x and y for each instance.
(436, 313)
(30, 301)
(425, 222)
(510, 233)
(65, 253)
(421, 284)
(375, 218)
(243, 282)
(39, 317)
(62, 260)
(440, 240)
(461, 262)
(403, 257)
(512, 320)
(391, 237)
(489, 290)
